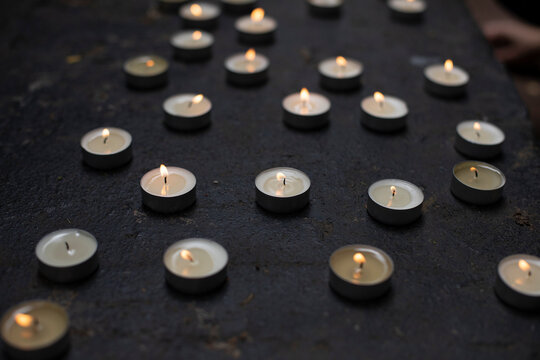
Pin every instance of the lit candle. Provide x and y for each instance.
(247, 69)
(407, 10)
(192, 45)
(256, 28)
(35, 330)
(238, 6)
(340, 74)
(168, 189)
(479, 139)
(282, 190)
(360, 272)
(395, 202)
(477, 182)
(446, 80)
(171, 6)
(187, 111)
(67, 255)
(200, 15)
(384, 113)
(106, 148)
(195, 265)
(518, 281)
(305, 110)
(146, 71)
(325, 8)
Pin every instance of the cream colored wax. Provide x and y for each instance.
(519, 278)
(195, 258)
(293, 186)
(391, 107)
(148, 65)
(375, 269)
(480, 132)
(484, 178)
(66, 247)
(114, 143)
(383, 196)
(174, 185)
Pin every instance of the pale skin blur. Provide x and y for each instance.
(513, 41)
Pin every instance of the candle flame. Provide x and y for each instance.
(257, 15)
(524, 265)
(280, 176)
(105, 133)
(341, 61)
(197, 99)
(24, 320)
(410, 0)
(197, 35)
(250, 55)
(448, 65)
(164, 190)
(393, 190)
(186, 255)
(473, 169)
(359, 258)
(195, 9)
(150, 63)
(304, 95)
(477, 126)
(163, 170)
(379, 97)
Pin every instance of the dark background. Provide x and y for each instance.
(277, 303)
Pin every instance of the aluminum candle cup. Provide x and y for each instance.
(479, 139)
(171, 6)
(340, 74)
(446, 80)
(518, 281)
(325, 8)
(195, 266)
(247, 69)
(146, 71)
(187, 111)
(200, 15)
(360, 272)
(384, 113)
(168, 189)
(477, 182)
(238, 6)
(35, 330)
(395, 202)
(67, 255)
(305, 110)
(282, 190)
(256, 28)
(106, 148)
(407, 10)
(192, 45)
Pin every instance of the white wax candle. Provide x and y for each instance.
(256, 23)
(396, 194)
(195, 258)
(192, 39)
(306, 104)
(386, 107)
(177, 182)
(239, 2)
(247, 63)
(106, 141)
(522, 273)
(282, 182)
(407, 6)
(326, 3)
(341, 68)
(187, 105)
(447, 74)
(146, 65)
(361, 264)
(480, 132)
(199, 11)
(67, 247)
(478, 175)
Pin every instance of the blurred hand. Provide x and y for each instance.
(514, 42)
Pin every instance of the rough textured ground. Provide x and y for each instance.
(61, 76)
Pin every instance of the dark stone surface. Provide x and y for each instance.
(277, 303)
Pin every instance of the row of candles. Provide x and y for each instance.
(39, 329)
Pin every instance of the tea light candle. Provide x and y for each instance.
(479, 139)
(171, 6)
(410, 10)
(282, 189)
(168, 189)
(395, 202)
(195, 266)
(238, 6)
(247, 69)
(187, 111)
(146, 71)
(360, 272)
(518, 281)
(67, 255)
(200, 15)
(325, 7)
(305, 110)
(477, 182)
(106, 148)
(192, 45)
(35, 330)
(446, 80)
(257, 28)
(384, 113)
(340, 74)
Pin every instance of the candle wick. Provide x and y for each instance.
(477, 134)
(476, 173)
(530, 273)
(105, 139)
(190, 103)
(165, 179)
(284, 181)
(67, 245)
